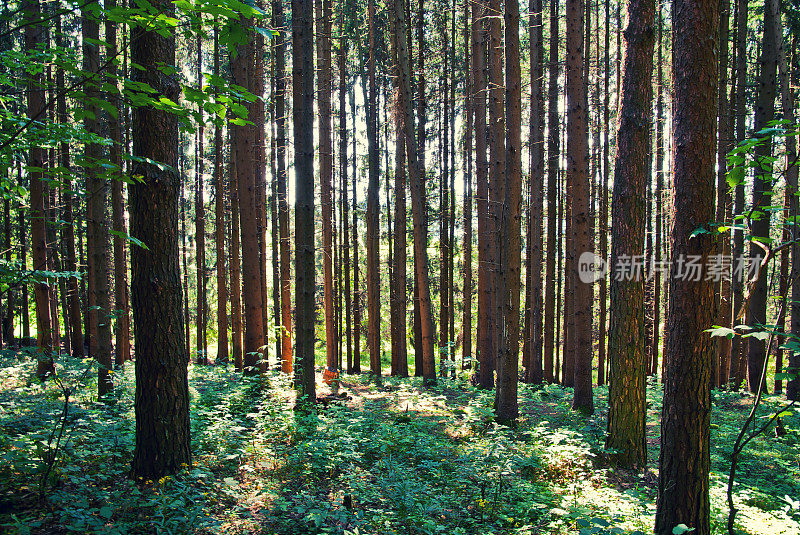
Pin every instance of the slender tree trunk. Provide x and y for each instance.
(451, 238)
(283, 201)
(348, 300)
(603, 223)
(219, 230)
(762, 190)
(422, 118)
(506, 406)
(724, 145)
(326, 178)
(444, 208)
(184, 203)
(398, 283)
(67, 229)
(373, 275)
(553, 142)
(122, 346)
(685, 419)
(580, 350)
(417, 207)
(484, 341)
(497, 187)
(248, 72)
(356, 292)
(791, 73)
(162, 386)
(97, 242)
(236, 273)
(200, 217)
(469, 111)
(659, 214)
(303, 119)
(34, 37)
(23, 249)
(626, 348)
(8, 319)
(536, 195)
(738, 363)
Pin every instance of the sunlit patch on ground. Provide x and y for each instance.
(375, 458)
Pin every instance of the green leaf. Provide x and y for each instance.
(735, 176)
(758, 335)
(106, 512)
(680, 529)
(722, 332)
(135, 241)
(785, 376)
(696, 232)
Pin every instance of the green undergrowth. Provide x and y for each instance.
(378, 458)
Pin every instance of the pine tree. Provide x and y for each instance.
(685, 419)
(626, 347)
(303, 118)
(162, 386)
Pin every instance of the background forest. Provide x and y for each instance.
(413, 266)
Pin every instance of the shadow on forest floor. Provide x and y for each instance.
(388, 458)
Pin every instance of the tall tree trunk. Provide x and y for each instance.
(275, 326)
(685, 418)
(200, 214)
(578, 180)
(553, 142)
(497, 187)
(162, 386)
(791, 73)
(356, 292)
(236, 270)
(373, 275)
(283, 200)
(248, 71)
(422, 118)
(762, 191)
(398, 284)
(724, 145)
(23, 249)
(469, 111)
(219, 230)
(787, 103)
(184, 206)
(506, 406)
(8, 319)
(326, 179)
(34, 37)
(417, 207)
(479, 71)
(67, 229)
(122, 346)
(626, 349)
(444, 208)
(603, 223)
(97, 242)
(738, 362)
(536, 196)
(303, 119)
(342, 58)
(659, 214)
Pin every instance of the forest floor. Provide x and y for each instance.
(378, 459)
